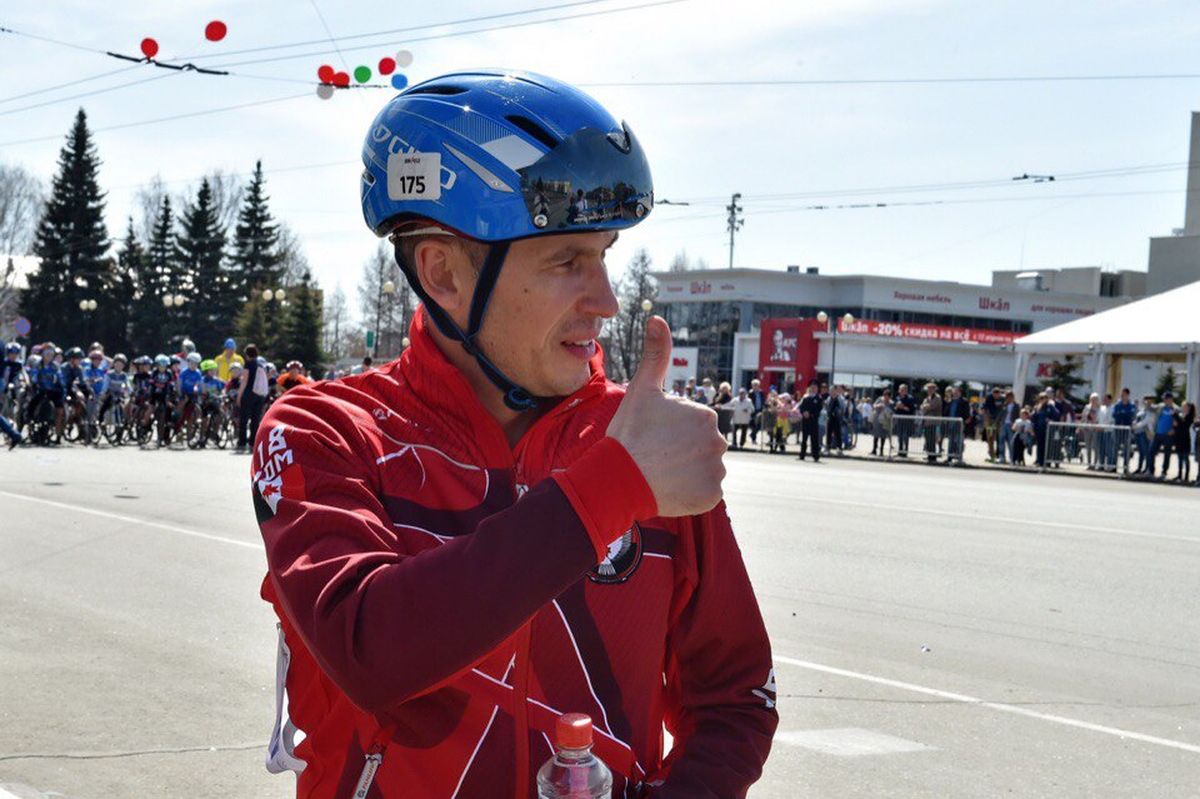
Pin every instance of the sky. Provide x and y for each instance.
(829, 144)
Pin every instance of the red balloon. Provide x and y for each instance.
(325, 73)
(387, 66)
(341, 79)
(215, 31)
(149, 47)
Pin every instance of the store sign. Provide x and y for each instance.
(684, 362)
(869, 327)
(788, 345)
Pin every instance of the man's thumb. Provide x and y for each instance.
(656, 355)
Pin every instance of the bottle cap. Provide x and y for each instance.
(574, 731)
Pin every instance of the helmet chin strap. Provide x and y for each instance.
(515, 397)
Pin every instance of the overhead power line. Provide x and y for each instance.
(454, 34)
(156, 120)
(672, 84)
(393, 31)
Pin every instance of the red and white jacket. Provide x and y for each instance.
(443, 597)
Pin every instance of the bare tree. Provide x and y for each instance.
(293, 262)
(680, 262)
(387, 314)
(625, 332)
(227, 193)
(21, 199)
(337, 324)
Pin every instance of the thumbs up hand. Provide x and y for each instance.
(673, 441)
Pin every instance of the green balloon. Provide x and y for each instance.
(362, 74)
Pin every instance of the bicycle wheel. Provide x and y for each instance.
(113, 426)
(195, 431)
(219, 430)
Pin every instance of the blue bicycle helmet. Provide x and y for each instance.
(496, 156)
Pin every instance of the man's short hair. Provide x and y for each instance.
(406, 246)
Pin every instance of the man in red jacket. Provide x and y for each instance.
(485, 534)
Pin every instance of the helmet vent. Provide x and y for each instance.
(533, 129)
(437, 90)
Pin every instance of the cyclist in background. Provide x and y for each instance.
(294, 376)
(49, 386)
(95, 375)
(162, 392)
(116, 385)
(189, 388)
(212, 388)
(12, 377)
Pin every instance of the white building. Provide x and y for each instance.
(903, 329)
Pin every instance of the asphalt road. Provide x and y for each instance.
(938, 632)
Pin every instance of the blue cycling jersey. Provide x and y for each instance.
(49, 377)
(95, 376)
(189, 382)
(115, 383)
(10, 373)
(212, 386)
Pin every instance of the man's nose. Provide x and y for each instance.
(599, 299)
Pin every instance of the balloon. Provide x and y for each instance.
(215, 31)
(325, 74)
(324, 91)
(362, 74)
(387, 66)
(399, 81)
(341, 79)
(149, 47)
(404, 58)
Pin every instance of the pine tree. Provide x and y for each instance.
(166, 277)
(122, 291)
(201, 244)
(1168, 380)
(1064, 375)
(146, 314)
(302, 326)
(72, 243)
(256, 259)
(251, 324)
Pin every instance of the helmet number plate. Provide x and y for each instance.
(414, 176)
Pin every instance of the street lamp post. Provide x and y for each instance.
(388, 288)
(823, 318)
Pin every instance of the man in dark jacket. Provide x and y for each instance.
(810, 422)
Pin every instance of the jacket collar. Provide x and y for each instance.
(438, 384)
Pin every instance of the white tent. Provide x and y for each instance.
(1165, 326)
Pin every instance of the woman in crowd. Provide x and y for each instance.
(1022, 437)
(1185, 419)
(881, 423)
(724, 395)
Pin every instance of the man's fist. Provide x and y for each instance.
(673, 441)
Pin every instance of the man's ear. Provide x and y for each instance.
(443, 271)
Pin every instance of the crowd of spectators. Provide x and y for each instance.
(1103, 433)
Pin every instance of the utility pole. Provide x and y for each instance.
(734, 222)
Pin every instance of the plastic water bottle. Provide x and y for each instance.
(574, 772)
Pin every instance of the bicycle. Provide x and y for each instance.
(113, 424)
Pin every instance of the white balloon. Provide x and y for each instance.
(404, 58)
(324, 91)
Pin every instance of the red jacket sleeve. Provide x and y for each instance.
(719, 679)
(385, 624)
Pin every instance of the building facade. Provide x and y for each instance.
(902, 328)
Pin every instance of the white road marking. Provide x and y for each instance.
(6, 795)
(849, 742)
(133, 520)
(981, 517)
(1000, 706)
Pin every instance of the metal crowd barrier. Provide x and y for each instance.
(930, 437)
(1102, 447)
